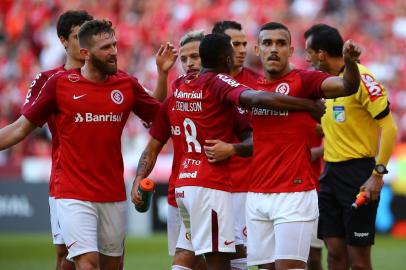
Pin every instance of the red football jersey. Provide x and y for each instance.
(89, 119)
(240, 167)
(200, 109)
(32, 94)
(282, 161)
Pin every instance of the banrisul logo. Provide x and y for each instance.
(90, 117)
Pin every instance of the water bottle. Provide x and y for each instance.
(145, 191)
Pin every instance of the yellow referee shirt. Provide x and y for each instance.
(348, 124)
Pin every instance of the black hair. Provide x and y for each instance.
(326, 38)
(276, 26)
(221, 27)
(92, 28)
(70, 19)
(213, 49)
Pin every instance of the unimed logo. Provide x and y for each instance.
(90, 117)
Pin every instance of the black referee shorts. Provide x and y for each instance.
(339, 186)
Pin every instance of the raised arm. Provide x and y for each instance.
(165, 59)
(348, 84)
(145, 166)
(15, 132)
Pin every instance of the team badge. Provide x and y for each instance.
(339, 113)
(283, 88)
(117, 97)
(73, 77)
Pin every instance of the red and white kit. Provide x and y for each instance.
(88, 119)
(282, 190)
(200, 109)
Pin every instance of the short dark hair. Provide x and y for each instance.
(275, 26)
(213, 48)
(191, 36)
(326, 38)
(221, 27)
(70, 19)
(92, 28)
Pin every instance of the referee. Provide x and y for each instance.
(359, 137)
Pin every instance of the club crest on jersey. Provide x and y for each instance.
(117, 97)
(282, 88)
(73, 77)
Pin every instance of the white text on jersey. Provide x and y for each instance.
(90, 117)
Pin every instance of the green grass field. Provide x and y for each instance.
(35, 251)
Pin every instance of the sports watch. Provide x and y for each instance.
(381, 169)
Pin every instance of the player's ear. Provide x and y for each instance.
(64, 42)
(322, 55)
(291, 50)
(256, 49)
(84, 53)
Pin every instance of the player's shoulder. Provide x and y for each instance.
(46, 74)
(369, 84)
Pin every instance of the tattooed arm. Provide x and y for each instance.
(145, 166)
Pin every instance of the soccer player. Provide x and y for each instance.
(179, 245)
(67, 29)
(219, 150)
(200, 109)
(359, 137)
(282, 200)
(89, 107)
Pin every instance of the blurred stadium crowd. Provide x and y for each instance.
(29, 44)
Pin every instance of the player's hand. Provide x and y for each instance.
(372, 187)
(217, 150)
(351, 51)
(135, 198)
(318, 110)
(166, 57)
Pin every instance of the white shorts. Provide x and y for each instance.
(57, 238)
(240, 228)
(207, 216)
(280, 226)
(177, 235)
(92, 226)
(316, 242)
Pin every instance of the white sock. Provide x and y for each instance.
(179, 267)
(240, 264)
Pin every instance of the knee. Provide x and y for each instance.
(184, 257)
(359, 265)
(88, 265)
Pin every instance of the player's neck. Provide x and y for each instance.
(335, 66)
(72, 63)
(271, 76)
(235, 71)
(91, 73)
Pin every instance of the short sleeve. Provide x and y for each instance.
(145, 106)
(33, 91)
(241, 122)
(44, 104)
(227, 89)
(311, 83)
(161, 128)
(372, 95)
